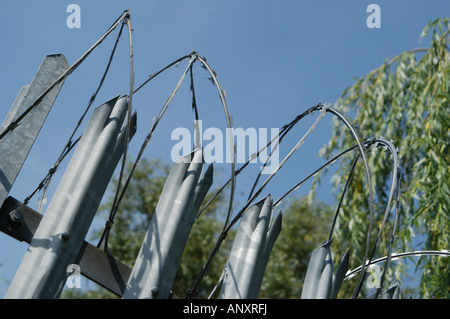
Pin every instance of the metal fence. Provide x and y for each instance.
(57, 239)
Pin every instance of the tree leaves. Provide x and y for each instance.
(406, 99)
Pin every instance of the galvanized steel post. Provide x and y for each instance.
(320, 281)
(161, 251)
(251, 251)
(393, 292)
(58, 239)
(15, 146)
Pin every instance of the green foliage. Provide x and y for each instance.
(98, 293)
(406, 100)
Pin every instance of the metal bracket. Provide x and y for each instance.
(20, 222)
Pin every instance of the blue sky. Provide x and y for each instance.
(274, 59)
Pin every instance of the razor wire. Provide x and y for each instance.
(125, 19)
(116, 202)
(323, 109)
(193, 57)
(45, 182)
(63, 76)
(120, 194)
(395, 191)
(418, 253)
(229, 223)
(371, 142)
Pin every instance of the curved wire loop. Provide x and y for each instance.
(393, 256)
(115, 206)
(63, 76)
(193, 57)
(253, 194)
(44, 184)
(395, 191)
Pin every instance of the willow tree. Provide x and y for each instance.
(406, 99)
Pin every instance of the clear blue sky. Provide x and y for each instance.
(274, 59)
